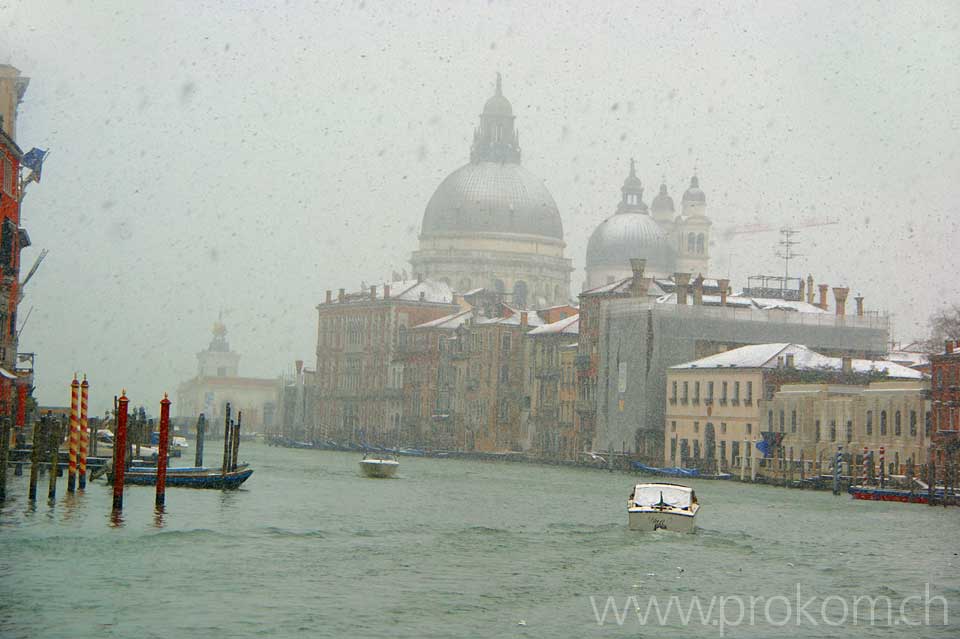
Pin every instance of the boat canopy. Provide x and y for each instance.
(673, 495)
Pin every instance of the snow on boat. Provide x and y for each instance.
(189, 477)
(379, 466)
(661, 506)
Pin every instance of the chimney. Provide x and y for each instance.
(823, 295)
(859, 300)
(949, 346)
(299, 365)
(329, 296)
(386, 291)
(847, 363)
(638, 283)
(523, 320)
(341, 294)
(682, 280)
(698, 291)
(373, 292)
(809, 289)
(724, 285)
(840, 296)
(790, 360)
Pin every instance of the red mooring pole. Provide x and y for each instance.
(120, 451)
(84, 434)
(74, 439)
(162, 453)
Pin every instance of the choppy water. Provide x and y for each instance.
(455, 549)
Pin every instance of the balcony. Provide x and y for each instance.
(582, 362)
(708, 401)
(585, 407)
(549, 374)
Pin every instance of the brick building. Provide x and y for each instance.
(945, 400)
(550, 382)
(359, 392)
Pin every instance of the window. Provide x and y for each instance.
(869, 422)
(883, 423)
(749, 429)
(770, 420)
(723, 428)
(686, 391)
(816, 434)
(833, 430)
(709, 391)
(696, 427)
(849, 431)
(505, 342)
(673, 392)
(793, 420)
(782, 420)
(736, 392)
(723, 393)
(913, 423)
(696, 392)
(896, 423)
(927, 423)
(749, 393)
(504, 374)
(696, 449)
(673, 427)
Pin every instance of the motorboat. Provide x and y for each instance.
(379, 465)
(662, 506)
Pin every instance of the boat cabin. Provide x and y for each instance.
(658, 495)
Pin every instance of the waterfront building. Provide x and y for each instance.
(493, 224)
(218, 382)
(716, 404)
(945, 396)
(359, 391)
(295, 407)
(551, 387)
(637, 338)
(15, 382)
(818, 419)
(669, 242)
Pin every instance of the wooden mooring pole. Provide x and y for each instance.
(236, 442)
(201, 427)
(54, 439)
(120, 451)
(162, 452)
(35, 457)
(226, 440)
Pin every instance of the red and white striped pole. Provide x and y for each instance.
(74, 440)
(883, 469)
(84, 434)
(863, 467)
(120, 451)
(162, 452)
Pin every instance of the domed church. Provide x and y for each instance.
(669, 242)
(493, 224)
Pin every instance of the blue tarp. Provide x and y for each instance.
(671, 472)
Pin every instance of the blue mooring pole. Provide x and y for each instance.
(836, 470)
(201, 427)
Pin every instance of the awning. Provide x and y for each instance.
(5, 373)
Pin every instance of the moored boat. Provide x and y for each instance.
(189, 477)
(662, 506)
(379, 466)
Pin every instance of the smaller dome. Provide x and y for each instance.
(694, 194)
(498, 104)
(662, 203)
(624, 236)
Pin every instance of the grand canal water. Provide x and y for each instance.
(463, 549)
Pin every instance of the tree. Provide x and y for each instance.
(944, 325)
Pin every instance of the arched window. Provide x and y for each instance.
(691, 243)
(896, 423)
(883, 422)
(700, 243)
(498, 286)
(520, 294)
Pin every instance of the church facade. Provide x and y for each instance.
(493, 224)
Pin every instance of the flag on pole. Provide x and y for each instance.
(33, 160)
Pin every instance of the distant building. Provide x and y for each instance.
(296, 406)
(359, 393)
(945, 397)
(218, 382)
(669, 242)
(632, 339)
(551, 384)
(824, 418)
(493, 224)
(718, 406)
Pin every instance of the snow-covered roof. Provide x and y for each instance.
(433, 291)
(566, 326)
(513, 319)
(768, 356)
(448, 321)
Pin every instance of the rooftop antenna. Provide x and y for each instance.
(786, 252)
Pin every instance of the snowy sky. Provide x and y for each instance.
(209, 155)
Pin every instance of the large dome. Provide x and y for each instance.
(627, 235)
(492, 197)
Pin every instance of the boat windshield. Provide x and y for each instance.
(647, 495)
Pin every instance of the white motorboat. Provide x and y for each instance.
(661, 506)
(380, 466)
